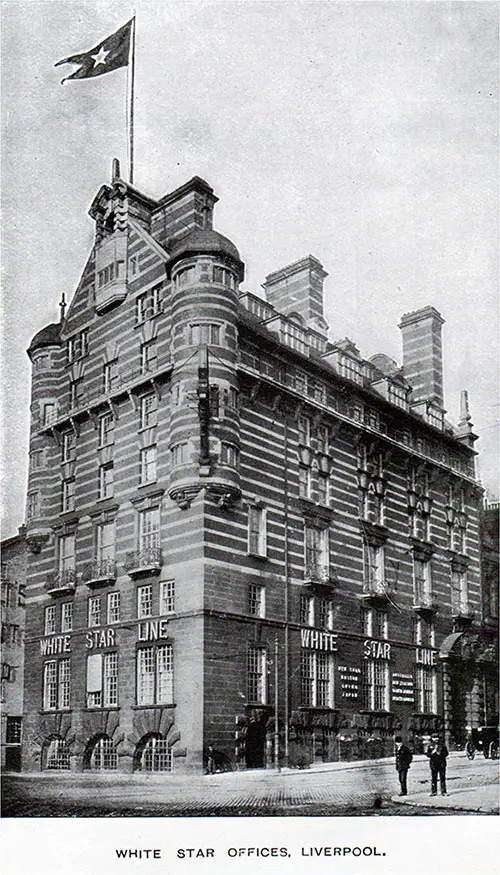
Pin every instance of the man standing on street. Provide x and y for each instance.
(437, 753)
(404, 757)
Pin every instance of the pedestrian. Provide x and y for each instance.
(211, 760)
(437, 753)
(404, 757)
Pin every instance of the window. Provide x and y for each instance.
(232, 398)
(50, 620)
(423, 632)
(322, 438)
(157, 756)
(105, 542)
(256, 674)
(149, 356)
(422, 582)
(149, 529)
(167, 597)
(133, 265)
(324, 613)
(459, 592)
(67, 617)
(304, 481)
(49, 412)
(224, 277)
(316, 553)
(106, 430)
(397, 395)
(77, 346)
(110, 375)
(351, 369)
(375, 684)
(68, 446)
(13, 730)
(66, 553)
(113, 612)
(323, 496)
(104, 756)
(186, 276)
(141, 307)
(102, 680)
(42, 363)
(95, 611)
(148, 464)
(56, 685)
(374, 623)
(304, 430)
(229, 455)
(106, 479)
(68, 494)
(180, 454)
(316, 680)
(76, 396)
(144, 601)
(207, 332)
(57, 754)
(36, 460)
(374, 579)
(149, 409)
(257, 530)
(155, 675)
(256, 602)
(306, 610)
(426, 689)
(33, 505)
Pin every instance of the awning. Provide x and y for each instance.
(448, 644)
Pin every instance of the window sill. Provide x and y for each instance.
(149, 707)
(100, 708)
(56, 711)
(257, 555)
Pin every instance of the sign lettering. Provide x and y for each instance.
(318, 640)
(423, 656)
(58, 644)
(377, 649)
(100, 638)
(151, 630)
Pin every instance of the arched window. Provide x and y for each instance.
(153, 754)
(101, 755)
(57, 754)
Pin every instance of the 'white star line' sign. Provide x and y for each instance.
(101, 57)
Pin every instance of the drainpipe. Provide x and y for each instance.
(287, 584)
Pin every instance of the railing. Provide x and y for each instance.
(61, 580)
(423, 598)
(99, 569)
(315, 572)
(373, 586)
(148, 559)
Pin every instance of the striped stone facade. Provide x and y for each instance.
(248, 545)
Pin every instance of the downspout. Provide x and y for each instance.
(287, 583)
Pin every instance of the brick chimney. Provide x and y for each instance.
(423, 355)
(298, 288)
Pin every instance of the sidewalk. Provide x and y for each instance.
(483, 799)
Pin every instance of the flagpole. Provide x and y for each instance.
(131, 112)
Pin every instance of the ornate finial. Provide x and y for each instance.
(464, 406)
(62, 306)
(115, 170)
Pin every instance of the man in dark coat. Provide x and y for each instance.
(404, 757)
(437, 753)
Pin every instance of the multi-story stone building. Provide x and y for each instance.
(13, 583)
(243, 535)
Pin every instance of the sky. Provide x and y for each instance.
(364, 133)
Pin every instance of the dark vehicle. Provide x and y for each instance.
(485, 740)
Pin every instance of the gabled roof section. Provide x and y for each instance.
(149, 240)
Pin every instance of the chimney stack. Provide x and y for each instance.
(423, 354)
(298, 288)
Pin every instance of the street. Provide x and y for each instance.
(342, 789)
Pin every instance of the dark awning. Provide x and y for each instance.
(448, 644)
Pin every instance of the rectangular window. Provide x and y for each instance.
(66, 553)
(50, 620)
(375, 684)
(306, 610)
(422, 583)
(113, 612)
(323, 491)
(102, 680)
(95, 611)
(66, 616)
(324, 613)
(167, 597)
(68, 494)
(144, 601)
(316, 680)
(141, 307)
(256, 674)
(155, 675)
(56, 685)
(110, 679)
(304, 430)
(106, 430)
(323, 439)
(36, 460)
(304, 481)
(76, 397)
(229, 455)
(77, 346)
(148, 464)
(257, 530)
(423, 632)
(33, 505)
(105, 542)
(110, 375)
(379, 623)
(13, 730)
(459, 592)
(179, 454)
(106, 480)
(149, 356)
(68, 446)
(426, 689)
(374, 569)
(256, 600)
(186, 276)
(49, 412)
(207, 333)
(224, 277)
(149, 529)
(149, 410)
(156, 300)
(317, 563)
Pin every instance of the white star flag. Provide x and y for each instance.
(110, 54)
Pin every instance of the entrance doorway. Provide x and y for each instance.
(256, 742)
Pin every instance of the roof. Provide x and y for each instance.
(205, 241)
(48, 336)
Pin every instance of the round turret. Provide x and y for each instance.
(206, 242)
(48, 336)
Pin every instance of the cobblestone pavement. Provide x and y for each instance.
(328, 789)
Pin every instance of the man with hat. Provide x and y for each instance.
(404, 757)
(437, 753)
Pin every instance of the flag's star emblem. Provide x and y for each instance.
(100, 58)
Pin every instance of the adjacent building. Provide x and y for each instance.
(241, 533)
(13, 582)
